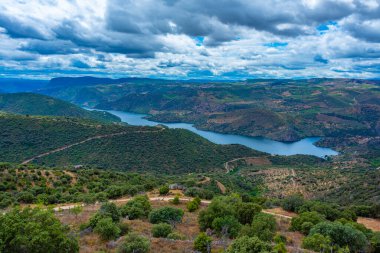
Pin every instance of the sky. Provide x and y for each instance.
(187, 39)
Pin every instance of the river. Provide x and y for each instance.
(305, 146)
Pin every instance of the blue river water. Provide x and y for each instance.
(305, 146)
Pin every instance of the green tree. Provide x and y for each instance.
(76, 210)
(305, 221)
(246, 212)
(247, 244)
(134, 243)
(292, 203)
(375, 242)
(164, 190)
(136, 208)
(192, 205)
(35, 231)
(166, 214)
(107, 229)
(341, 235)
(161, 230)
(176, 200)
(202, 243)
(264, 226)
(317, 242)
(226, 226)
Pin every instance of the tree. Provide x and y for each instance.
(247, 244)
(111, 210)
(34, 230)
(292, 203)
(202, 243)
(317, 242)
(305, 221)
(107, 229)
(164, 190)
(134, 243)
(341, 235)
(136, 208)
(264, 226)
(76, 210)
(246, 212)
(192, 205)
(375, 242)
(166, 214)
(226, 226)
(161, 230)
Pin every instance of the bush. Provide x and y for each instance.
(341, 235)
(292, 203)
(110, 209)
(125, 228)
(34, 230)
(134, 243)
(166, 215)
(136, 208)
(226, 226)
(375, 242)
(247, 244)
(164, 190)
(192, 206)
(264, 226)
(305, 221)
(202, 243)
(175, 236)
(176, 201)
(317, 242)
(161, 230)
(246, 212)
(107, 229)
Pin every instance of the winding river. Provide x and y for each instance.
(305, 146)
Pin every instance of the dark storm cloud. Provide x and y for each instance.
(19, 29)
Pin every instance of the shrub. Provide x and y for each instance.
(375, 242)
(136, 208)
(341, 235)
(202, 243)
(305, 221)
(264, 226)
(161, 230)
(246, 212)
(175, 236)
(226, 226)
(125, 228)
(34, 230)
(292, 203)
(247, 244)
(110, 209)
(166, 215)
(134, 243)
(316, 242)
(107, 229)
(25, 197)
(192, 206)
(176, 201)
(164, 190)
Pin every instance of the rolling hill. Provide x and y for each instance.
(36, 104)
(110, 146)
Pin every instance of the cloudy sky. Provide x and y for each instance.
(224, 39)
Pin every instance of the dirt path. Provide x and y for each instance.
(86, 140)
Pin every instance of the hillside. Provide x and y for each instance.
(110, 145)
(345, 112)
(36, 104)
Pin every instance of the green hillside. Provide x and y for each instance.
(36, 104)
(133, 148)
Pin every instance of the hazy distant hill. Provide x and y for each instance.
(21, 85)
(90, 81)
(36, 104)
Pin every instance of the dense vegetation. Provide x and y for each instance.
(140, 148)
(36, 104)
(345, 112)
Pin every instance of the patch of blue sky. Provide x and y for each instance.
(199, 40)
(324, 27)
(276, 44)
